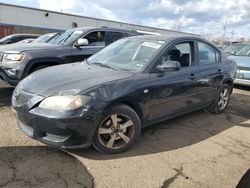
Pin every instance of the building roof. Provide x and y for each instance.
(75, 15)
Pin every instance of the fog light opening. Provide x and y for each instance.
(55, 138)
(12, 72)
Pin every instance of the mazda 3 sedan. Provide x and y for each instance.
(135, 82)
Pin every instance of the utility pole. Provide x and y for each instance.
(232, 35)
(224, 33)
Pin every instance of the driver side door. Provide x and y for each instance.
(174, 92)
(97, 41)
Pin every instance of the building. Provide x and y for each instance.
(20, 19)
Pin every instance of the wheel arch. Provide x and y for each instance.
(36, 64)
(131, 103)
(229, 82)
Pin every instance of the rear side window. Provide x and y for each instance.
(114, 36)
(207, 54)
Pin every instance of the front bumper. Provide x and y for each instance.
(67, 130)
(242, 78)
(242, 82)
(6, 77)
(12, 72)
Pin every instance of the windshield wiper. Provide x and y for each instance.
(104, 65)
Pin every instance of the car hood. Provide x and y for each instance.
(241, 61)
(70, 79)
(20, 47)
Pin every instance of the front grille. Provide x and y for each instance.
(20, 97)
(243, 68)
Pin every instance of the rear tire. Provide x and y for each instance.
(119, 129)
(220, 103)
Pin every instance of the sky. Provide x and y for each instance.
(204, 17)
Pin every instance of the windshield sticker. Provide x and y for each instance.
(161, 42)
(139, 65)
(151, 45)
(78, 32)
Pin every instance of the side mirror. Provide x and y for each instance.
(169, 66)
(233, 53)
(82, 42)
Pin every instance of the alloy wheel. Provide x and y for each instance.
(224, 97)
(116, 131)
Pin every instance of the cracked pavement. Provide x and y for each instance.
(195, 150)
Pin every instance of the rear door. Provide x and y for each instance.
(211, 70)
(97, 41)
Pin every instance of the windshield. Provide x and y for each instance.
(44, 38)
(127, 54)
(244, 51)
(66, 37)
(234, 48)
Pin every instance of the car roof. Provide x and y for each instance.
(106, 29)
(168, 37)
(50, 33)
(172, 37)
(23, 34)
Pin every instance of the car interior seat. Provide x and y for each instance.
(175, 55)
(184, 60)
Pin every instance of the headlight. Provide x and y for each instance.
(64, 103)
(12, 58)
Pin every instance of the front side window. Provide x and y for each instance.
(127, 54)
(206, 54)
(181, 53)
(96, 38)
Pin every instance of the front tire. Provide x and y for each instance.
(220, 103)
(118, 131)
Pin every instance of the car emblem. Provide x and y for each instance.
(16, 95)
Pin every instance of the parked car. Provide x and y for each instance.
(133, 83)
(16, 38)
(242, 59)
(234, 48)
(19, 60)
(45, 38)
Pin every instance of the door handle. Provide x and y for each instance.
(192, 76)
(219, 71)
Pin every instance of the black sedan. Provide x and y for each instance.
(133, 83)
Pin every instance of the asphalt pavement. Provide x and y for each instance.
(195, 150)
